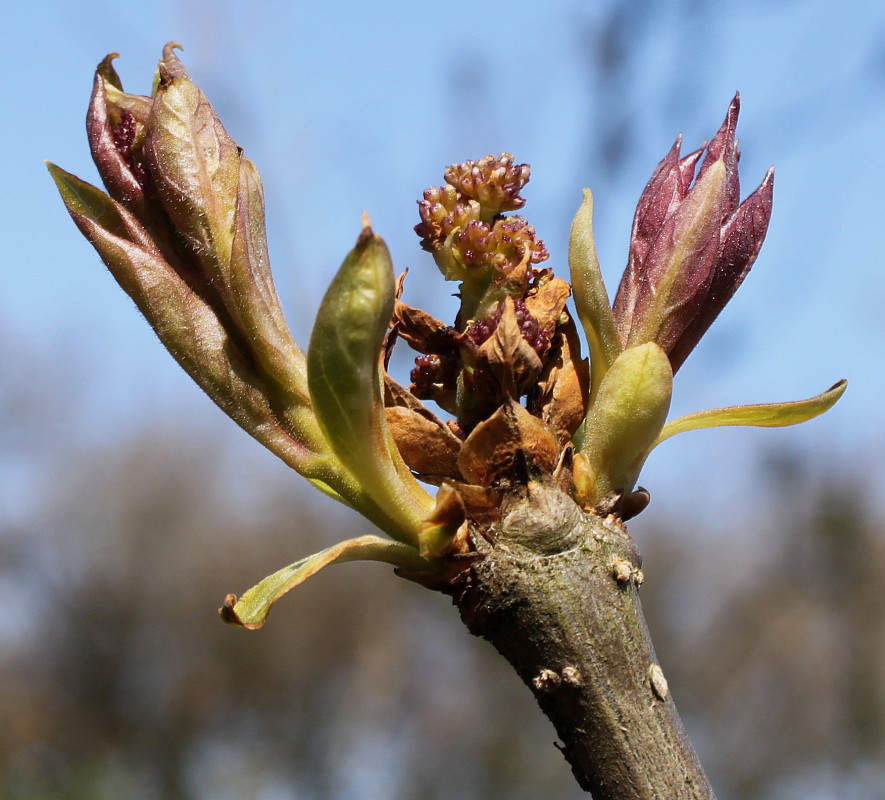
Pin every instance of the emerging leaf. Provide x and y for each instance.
(251, 610)
(182, 232)
(591, 298)
(194, 164)
(627, 417)
(763, 415)
(345, 380)
(187, 326)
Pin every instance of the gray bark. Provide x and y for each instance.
(556, 591)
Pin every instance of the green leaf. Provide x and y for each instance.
(85, 200)
(627, 416)
(196, 166)
(190, 330)
(251, 293)
(764, 415)
(591, 298)
(344, 372)
(251, 610)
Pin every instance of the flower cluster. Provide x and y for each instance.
(443, 211)
(507, 304)
(494, 182)
(463, 225)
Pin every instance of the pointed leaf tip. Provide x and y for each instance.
(106, 70)
(591, 298)
(251, 610)
(344, 378)
(763, 415)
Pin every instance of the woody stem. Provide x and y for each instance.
(557, 595)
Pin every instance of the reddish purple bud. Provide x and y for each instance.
(691, 246)
(742, 236)
(724, 146)
(115, 126)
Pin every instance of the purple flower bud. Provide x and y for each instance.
(691, 246)
(494, 181)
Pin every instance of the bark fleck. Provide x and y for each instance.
(572, 676)
(546, 681)
(622, 570)
(658, 682)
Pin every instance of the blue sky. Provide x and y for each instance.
(347, 106)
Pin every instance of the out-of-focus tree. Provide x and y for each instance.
(783, 669)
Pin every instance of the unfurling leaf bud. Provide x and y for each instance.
(691, 247)
(116, 125)
(168, 159)
(344, 374)
(182, 231)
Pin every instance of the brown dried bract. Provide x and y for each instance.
(547, 302)
(445, 531)
(420, 330)
(562, 389)
(510, 446)
(506, 364)
(426, 444)
(397, 395)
